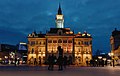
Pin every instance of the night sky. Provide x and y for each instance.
(18, 18)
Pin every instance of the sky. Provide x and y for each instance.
(18, 18)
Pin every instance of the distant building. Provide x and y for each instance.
(115, 43)
(22, 50)
(5, 50)
(78, 46)
(22, 46)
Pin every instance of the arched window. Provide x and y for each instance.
(59, 41)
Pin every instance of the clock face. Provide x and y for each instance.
(59, 16)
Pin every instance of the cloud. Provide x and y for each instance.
(84, 2)
(11, 36)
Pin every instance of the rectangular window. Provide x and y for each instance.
(81, 42)
(36, 42)
(69, 41)
(32, 51)
(74, 42)
(44, 43)
(86, 43)
(40, 43)
(64, 41)
(39, 49)
(54, 41)
(90, 42)
(32, 43)
(49, 41)
(28, 42)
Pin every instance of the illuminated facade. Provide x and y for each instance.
(78, 46)
(115, 43)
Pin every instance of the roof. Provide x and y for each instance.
(36, 35)
(84, 35)
(41, 35)
(55, 30)
(59, 10)
(115, 32)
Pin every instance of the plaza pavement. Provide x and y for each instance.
(69, 71)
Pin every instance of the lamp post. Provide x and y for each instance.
(105, 61)
(15, 58)
(112, 56)
(100, 61)
(52, 50)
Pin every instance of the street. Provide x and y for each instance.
(69, 71)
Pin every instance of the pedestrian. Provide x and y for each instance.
(18, 61)
(65, 61)
(87, 62)
(52, 61)
(49, 62)
(60, 63)
(40, 61)
(35, 61)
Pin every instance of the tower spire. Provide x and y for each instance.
(59, 10)
(59, 18)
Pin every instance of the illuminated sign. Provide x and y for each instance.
(22, 43)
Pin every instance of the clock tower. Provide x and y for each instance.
(59, 18)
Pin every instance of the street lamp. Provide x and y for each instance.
(105, 61)
(112, 56)
(99, 57)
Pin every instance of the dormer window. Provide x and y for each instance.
(60, 33)
(33, 35)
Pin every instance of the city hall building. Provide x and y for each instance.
(78, 46)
